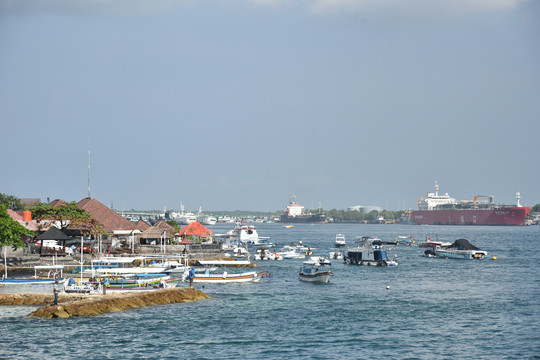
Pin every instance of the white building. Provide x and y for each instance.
(364, 209)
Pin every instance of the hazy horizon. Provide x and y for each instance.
(240, 104)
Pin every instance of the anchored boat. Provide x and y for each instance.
(441, 209)
(369, 252)
(316, 269)
(460, 249)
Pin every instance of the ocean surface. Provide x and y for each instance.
(434, 309)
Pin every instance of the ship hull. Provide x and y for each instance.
(507, 216)
(304, 219)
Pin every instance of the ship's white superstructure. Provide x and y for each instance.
(434, 199)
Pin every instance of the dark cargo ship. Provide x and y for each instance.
(295, 214)
(438, 209)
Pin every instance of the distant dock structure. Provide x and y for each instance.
(149, 217)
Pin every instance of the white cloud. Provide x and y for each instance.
(420, 7)
(409, 8)
(118, 7)
(392, 8)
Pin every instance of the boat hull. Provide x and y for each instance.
(460, 254)
(321, 277)
(28, 281)
(507, 216)
(224, 278)
(304, 219)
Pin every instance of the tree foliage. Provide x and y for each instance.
(357, 216)
(174, 225)
(11, 202)
(11, 232)
(68, 215)
(536, 208)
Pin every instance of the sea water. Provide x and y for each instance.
(425, 308)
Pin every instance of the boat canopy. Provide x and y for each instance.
(463, 244)
(223, 262)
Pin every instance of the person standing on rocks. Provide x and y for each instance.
(56, 290)
(191, 276)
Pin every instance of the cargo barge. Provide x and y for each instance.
(295, 214)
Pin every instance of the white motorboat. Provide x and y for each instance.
(340, 241)
(74, 286)
(247, 234)
(266, 254)
(405, 240)
(369, 252)
(432, 241)
(336, 255)
(316, 269)
(296, 251)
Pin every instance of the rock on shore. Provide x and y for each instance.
(92, 305)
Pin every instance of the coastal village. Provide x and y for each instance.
(81, 243)
(76, 245)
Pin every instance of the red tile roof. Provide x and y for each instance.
(197, 229)
(57, 202)
(164, 226)
(108, 218)
(141, 225)
(15, 215)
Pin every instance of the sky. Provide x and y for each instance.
(238, 104)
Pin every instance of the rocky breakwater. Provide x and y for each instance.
(92, 305)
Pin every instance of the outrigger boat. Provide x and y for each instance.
(55, 272)
(225, 277)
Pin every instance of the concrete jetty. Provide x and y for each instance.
(92, 305)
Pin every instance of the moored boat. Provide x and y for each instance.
(340, 241)
(295, 214)
(405, 240)
(316, 270)
(225, 277)
(432, 241)
(369, 252)
(55, 272)
(460, 249)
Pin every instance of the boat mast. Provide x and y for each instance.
(88, 168)
(5, 262)
(82, 243)
(518, 197)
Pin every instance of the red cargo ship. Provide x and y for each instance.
(438, 209)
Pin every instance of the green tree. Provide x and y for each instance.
(174, 225)
(536, 208)
(11, 202)
(11, 232)
(68, 215)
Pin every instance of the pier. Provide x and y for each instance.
(91, 305)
